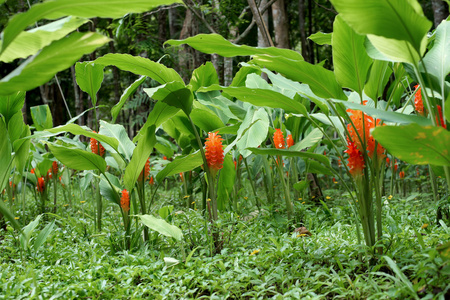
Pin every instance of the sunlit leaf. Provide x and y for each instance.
(161, 226)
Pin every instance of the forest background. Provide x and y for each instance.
(289, 25)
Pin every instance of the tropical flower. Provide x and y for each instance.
(441, 119)
(290, 141)
(418, 102)
(214, 152)
(401, 174)
(278, 139)
(95, 146)
(40, 186)
(55, 168)
(125, 201)
(151, 181)
(145, 171)
(355, 159)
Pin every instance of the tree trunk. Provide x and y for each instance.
(440, 11)
(310, 43)
(115, 71)
(183, 54)
(261, 34)
(162, 29)
(172, 19)
(79, 105)
(301, 21)
(280, 24)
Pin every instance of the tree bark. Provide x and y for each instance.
(79, 105)
(265, 17)
(262, 25)
(301, 21)
(440, 11)
(183, 54)
(115, 71)
(280, 24)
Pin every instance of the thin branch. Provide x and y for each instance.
(164, 7)
(200, 17)
(326, 8)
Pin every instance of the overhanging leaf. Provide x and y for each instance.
(126, 94)
(287, 153)
(89, 78)
(77, 159)
(181, 164)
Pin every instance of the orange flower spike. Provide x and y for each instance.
(401, 174)
(418, 102)
(290, 141)
(214, 152)
(40, 185)
(151, 181)
(32, 171)
(55, 168)
(125, 201)
(355, 159)
(147, 168)
(95, 146)
(278, 139)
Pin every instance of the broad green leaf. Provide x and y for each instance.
(310, 140)
(317, 168)
(78, 130)
(388, 116)
(174, 94)
(43, 235)
(181, 164)
(30, 42)
(15, 127)
(89, 78)
(161, 226)
(81, 8)
(416, 144)
(118, 134)
(401, 275)
(214, 43)
(164, 146)
(205, 75)
(351, 62)
(321, 81)
(42, 117)
(321, 38)
(301, 185)
(10, 105)
(28, 231)
(126, 94)
(77, 159)
(260, 97)
(110, 193)
(165, 211)
(253, 130)
(241, 76)
(140, 155)
(140, 66)
(400, 33)
(378, 78)
(57, 56)
(205, 119)
(288, 153)
(160, 113)
(226, 182)
(437, 60)
(22, 149)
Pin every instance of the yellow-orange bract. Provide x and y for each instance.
(40, 185)
(355, 159)
(290, 141)
(278, 139)
(125, 201)
(214, 152)
(418, 102)
(95, 146)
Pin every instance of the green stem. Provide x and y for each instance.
(252, 184)
(287, 196)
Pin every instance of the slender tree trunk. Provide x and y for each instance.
(280, 24)
(301, 21)
(79, 105)
(115, 71)
(261, 34)
(310, 43)
(162, 28)
(172, 19)
(183, 54)
(440, 11)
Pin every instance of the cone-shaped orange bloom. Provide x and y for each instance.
(441, 119)
(214, 152)
(418, 102)
(290, 141)
(355, 159)
(401, 174)
(54, 167)
(151, 181)
(95, 146)
(278, 139)
(40, 185)
(125, 201)
(145, 171)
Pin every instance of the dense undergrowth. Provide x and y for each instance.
(260, 258)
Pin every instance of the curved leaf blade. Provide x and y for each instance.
(77, 159)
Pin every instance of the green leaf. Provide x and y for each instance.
(205, 75)
(30, 42)
(317, 168)
(140, 66)
(301, 185)
(57, 56)
(77, 159)
(174, 94)
(253, 130)
(205, 119)
(126, 94)
(214, 43)
(10, 105)
(401, 275)
(321, 81)
(261, 97)
(321, 38)
(43, 235)
(351, 62)
(140, 155)
(397, 28)
(226, 182)
(288, 153)
(310, 140)
(444, 250)
(119, 136)
(437, 60)
(81, 8)
(22, 149)
(42, 117)
(241, 76)
(89, 78)
(28, 231)
(378, 78)
(416, 144)
(161, 226)
(78, 130)
(110, 193)
(181, 164)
